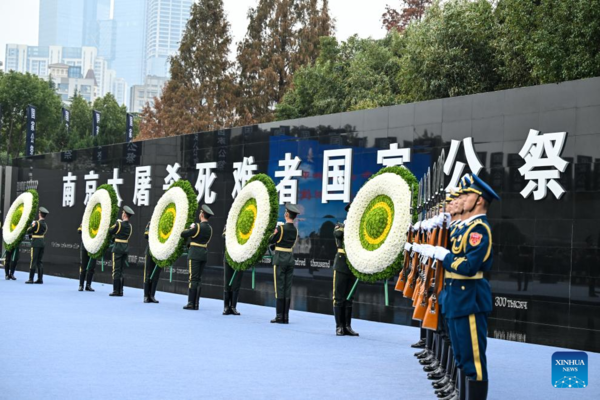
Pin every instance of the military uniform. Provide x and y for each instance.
(343, 281)
(87, 267)
(199, 235)
(37, 230)
(284, 239)
(230, 293)
(122, 232)
(468, 299)
(10, 262)
(151, 272)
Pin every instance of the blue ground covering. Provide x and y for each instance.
(58, 343)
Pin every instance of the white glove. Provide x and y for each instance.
(416, 248)
(427, 225)
(417, 226)
(440, 253)
(438, 220)
(430, 251)
(192, 225)
(447, 218)
(279, 223)
(119, 220)
(407, 246)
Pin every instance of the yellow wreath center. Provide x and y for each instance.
(252, 208)
(167, 235)
(388, 226)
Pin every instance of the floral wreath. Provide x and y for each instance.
(377, 222)
(100, 214)
(174, 212)
(251, 220)
(18, 219)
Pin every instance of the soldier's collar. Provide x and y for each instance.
(473, 218)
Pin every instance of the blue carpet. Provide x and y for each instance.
(57, 343)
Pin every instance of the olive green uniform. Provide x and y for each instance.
(230, 292)
(284, 239)
(86, 267)
(10, 262)
(199, 236)
(343, 281)
(121, 231)
(37, 231)
(151, 272)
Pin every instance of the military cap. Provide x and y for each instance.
(207, 210)
(44, 210)
(128, 210)
(483, 189)
(292, 208)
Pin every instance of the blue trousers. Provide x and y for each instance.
(469, 342)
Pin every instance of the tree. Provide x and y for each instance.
(17, 91)
(411, 10)
(282, 36)
(201, 93)
(113, 121)
(80, 135)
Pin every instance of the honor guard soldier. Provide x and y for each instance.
(37, 230)
(284, 238)
(230, 292)
(468, 299)
(11, 258)
(86, 267)
(343, 281)
(151, 273)
(200, 235)
(122, 231)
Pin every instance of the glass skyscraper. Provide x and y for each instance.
(130, 23)
(61, 23)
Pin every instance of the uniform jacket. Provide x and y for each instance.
(37, 232)
(284, 239)
(122, 231)
(200, 236)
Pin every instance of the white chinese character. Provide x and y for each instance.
(288, 187)
(172, 175)
(115, 182)
(204, 182)
(242, 173)
(532, 152)
(393, 156)
(69, 190)
(474, 164)
(90, 185)
(337, 175)
(141, 190)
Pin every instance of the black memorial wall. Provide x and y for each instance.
(546, 273)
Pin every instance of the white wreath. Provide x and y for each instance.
(94, 244)
(10, 236)
(162, 251)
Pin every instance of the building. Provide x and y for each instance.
(120, 91)
(68, 81)
(129, 28)
(165, 23)
(145, 94)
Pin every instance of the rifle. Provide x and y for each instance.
(409, 239)
(411, 279)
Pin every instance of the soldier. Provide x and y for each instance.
(284, 238)
(122, 231)
(37, 230)
(86, 267)
(230, 293)
(343, 281)
(151, 273)
(468, 299)
(200, 235)
(11, 258)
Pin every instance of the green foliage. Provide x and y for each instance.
(95, 220)
(274, 211)
(166, 222)
(191, 217)
(374, 222)
(394, 268)
(30, 218)
(114, 212)
(245, 222)
(14, 221)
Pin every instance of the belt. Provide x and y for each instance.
(450, 275)
(198, 244)
(283, 249)
(342, 251)
(121, 241)
(37, 236)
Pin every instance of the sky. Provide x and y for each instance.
(19, 19)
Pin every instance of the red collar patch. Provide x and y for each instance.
(475, 238)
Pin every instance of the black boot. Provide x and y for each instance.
(286, 311)
(153, 287)
(146, 292)
(477, 390)
(441, 383)
(197, 301)
(234, 299)
(422, 354)
(462, 385)
(348, 322)
(88, 282)
(226, 303)
(339, 320)
(40, 279)
(279, 306)
(419, 345)
(12, 271)
(31, 274)
(116, 289)
(437, 374)
(121, 285)
(81, 279)
(191, 300)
